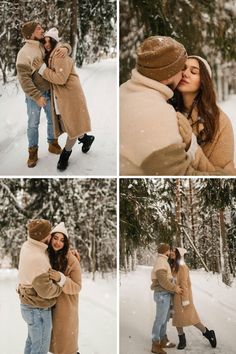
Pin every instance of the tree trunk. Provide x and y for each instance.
(177, 239)
(193, 233)
(73, 28)
(224, 250)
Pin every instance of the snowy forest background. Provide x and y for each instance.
(87, 206)
(206, 28)
(89, 27)
(198, 214)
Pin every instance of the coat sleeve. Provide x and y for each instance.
(24, 74)
(183, 283)
(45, 287)
(62, 68)
(73, 282)
(222, 155)
(164, 282)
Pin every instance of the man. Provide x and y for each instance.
(163, 289)
(36, 89)
(150, 142)
(37, 292)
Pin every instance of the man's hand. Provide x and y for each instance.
(37, 63)
(41, 102)
(61, 52)
(54, 275)
(185, 129)
(178, 290)
(75, 253)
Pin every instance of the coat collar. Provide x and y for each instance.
(136, 77)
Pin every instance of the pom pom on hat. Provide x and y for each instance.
(53, 33)
(160, 58)
(60, 228)
(28, 29)
(39, 229)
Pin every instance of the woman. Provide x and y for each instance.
(69, 108)
(214, 142)
(184, 312)
(64, 339)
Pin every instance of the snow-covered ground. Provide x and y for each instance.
(99, 82)
(97, 314)
(214, 301)
(229, 108)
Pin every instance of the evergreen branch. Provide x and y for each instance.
(14, 200)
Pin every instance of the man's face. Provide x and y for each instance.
(174, 80)
(38, 33)
(47, 239)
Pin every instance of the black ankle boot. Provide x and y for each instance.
(182, 341)
(63, 160)
(210, 335)
(87, 141)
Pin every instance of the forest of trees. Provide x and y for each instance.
(198, 214)
(88, 25)
(87, 206)
(206, 28)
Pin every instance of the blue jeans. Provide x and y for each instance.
(162, 300)
(33, 111)
(39, 322)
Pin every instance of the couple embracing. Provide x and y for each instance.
(172, 285)
(49, 284)
(47, 76)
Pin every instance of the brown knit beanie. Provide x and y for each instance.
(162, 248)
(39, 229)
(28, 28)
(160, 58)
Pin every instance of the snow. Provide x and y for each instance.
(97, 315)
(99, 83)
(214, 301)
(228, 107)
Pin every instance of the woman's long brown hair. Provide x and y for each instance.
(206, 105)
(58, 259)
(175, 264)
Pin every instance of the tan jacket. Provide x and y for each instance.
(64, 339)
(43, 293)
(35, 288)
(218, 154)
(161, 275)
(31, 82)
(185, 313)
(147, 122)
(70, 97)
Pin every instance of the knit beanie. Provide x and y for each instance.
(60, 228)
(203, 61)
(28, 28)
(160, 58)
(162, 248)
(39, 229)
(53, 33)
(181, 250)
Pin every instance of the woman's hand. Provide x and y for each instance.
(185, 129)
(37, 63)
(54, 275)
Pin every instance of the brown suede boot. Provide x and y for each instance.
(33, 156)
(156, 348)
(165, 343)
(54, 147)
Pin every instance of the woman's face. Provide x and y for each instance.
(172, 254)
(47, 44)
(57, 241)
(190, 82)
